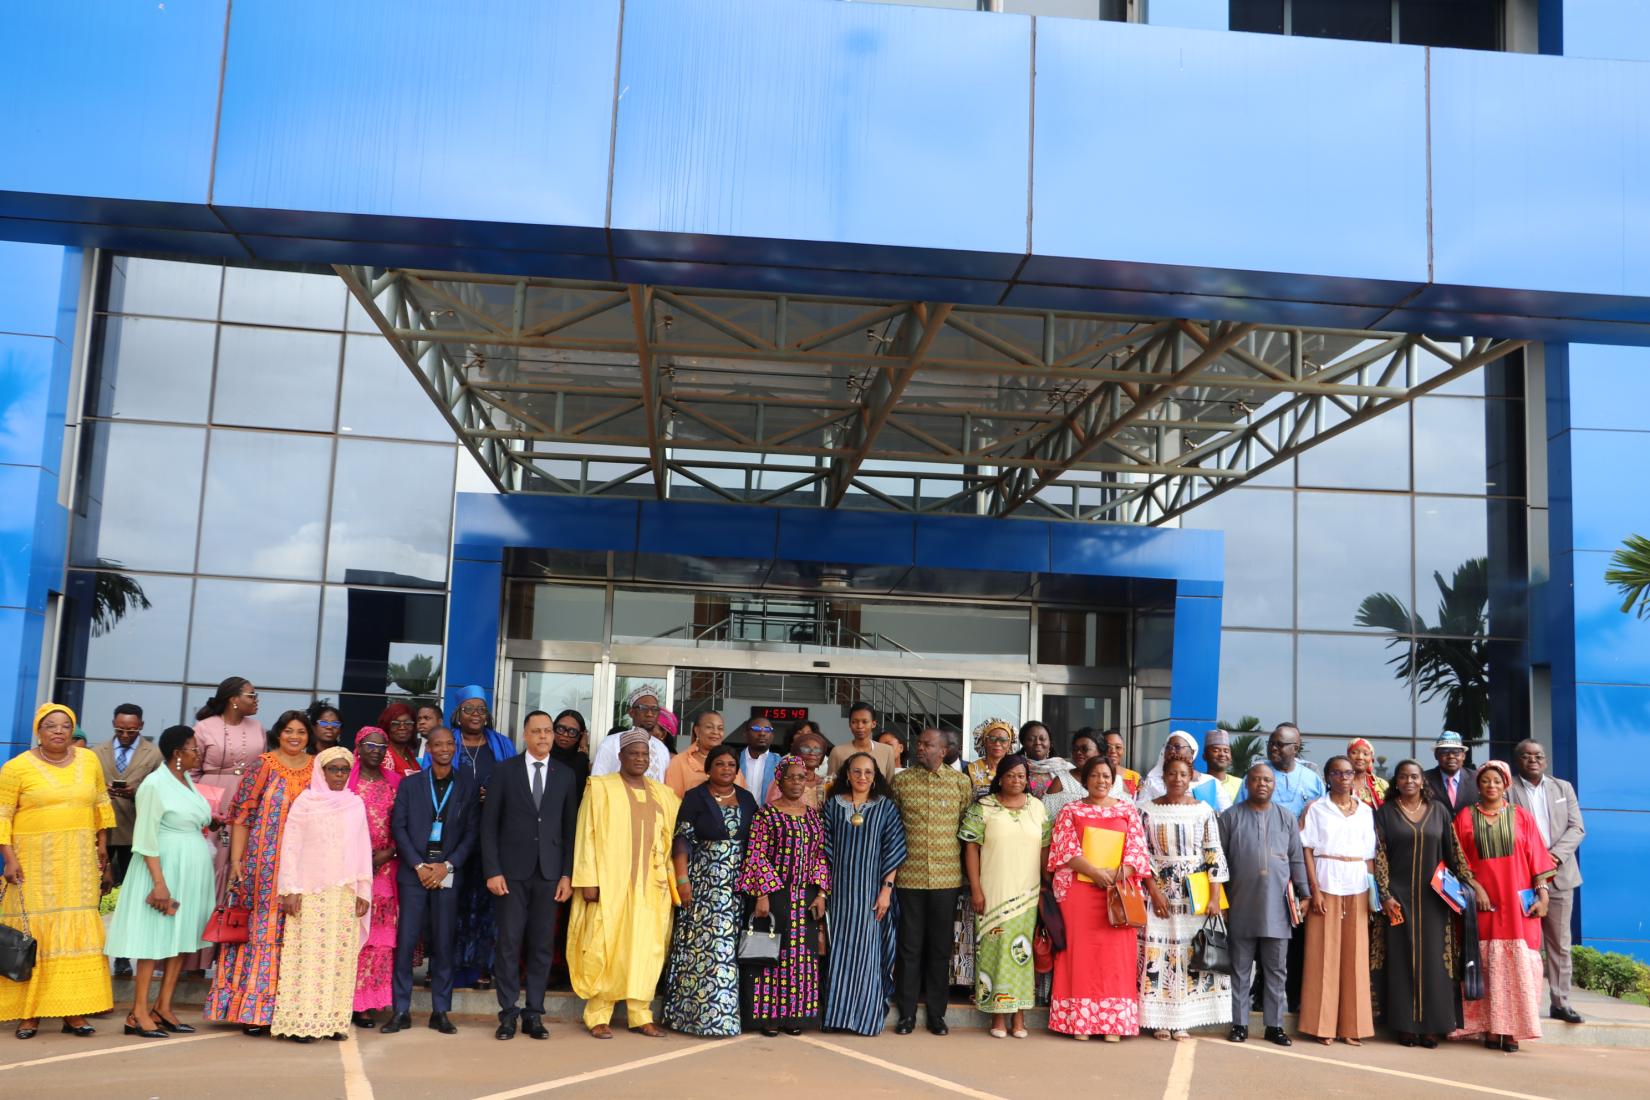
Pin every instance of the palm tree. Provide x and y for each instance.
(1631, 574)
(114, 595)
(1247, 749)
(418, 676)
(1450, 659)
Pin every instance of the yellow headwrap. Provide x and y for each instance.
(48, 708)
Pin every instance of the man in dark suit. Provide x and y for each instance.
(1452, 782)
(434, 825)
(527, 827)
(1557, 813)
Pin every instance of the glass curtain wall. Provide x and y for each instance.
(262, 490)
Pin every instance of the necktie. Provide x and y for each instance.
(122, 754)
(1452, 781)
(538, 782)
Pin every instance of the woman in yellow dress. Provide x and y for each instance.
(54, 821)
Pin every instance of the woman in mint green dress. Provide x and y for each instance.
(170, 886)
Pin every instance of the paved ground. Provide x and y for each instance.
(474, 1066)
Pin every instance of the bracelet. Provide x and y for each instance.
(681, 882)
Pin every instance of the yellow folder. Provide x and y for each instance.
(1103, 848)
(1198, 884)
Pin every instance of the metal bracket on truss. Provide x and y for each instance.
(611, 389)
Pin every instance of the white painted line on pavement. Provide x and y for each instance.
(1338, 1064)
(135, 1048)
(1179, 1086)
(356, 1084)
(906, 1071)
(623, 1067)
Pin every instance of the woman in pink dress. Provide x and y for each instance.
(376, 785)
(230, 740)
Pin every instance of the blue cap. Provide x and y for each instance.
(1449, 739)
(472, 691)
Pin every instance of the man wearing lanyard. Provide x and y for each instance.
(434, 825)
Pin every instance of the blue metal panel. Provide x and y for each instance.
(1614, 723)
(808, 280)
(110, 100)
(1349, 118)
(486, 522)
(850, 538)
(960, 542)
(20, 634)
(1609, 645)
(1608, 387)
(112, 233)
(1206, 15)
(490, 261)
(708, 530)
(19, 489)
(1578, 131)
(497, 112)
(1195, 689)
(29, 437)
(1166, 302)
(31, 286)
(1606, 491)
(870, 123)
(1613, 895)
(1603, 28)
(477, 587)
(1136, 552)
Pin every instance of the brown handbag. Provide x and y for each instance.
(1126, 904)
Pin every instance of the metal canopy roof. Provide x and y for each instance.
(593, 389)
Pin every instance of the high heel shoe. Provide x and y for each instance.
(173, 1026)
(27, 1032)
(84, 1031)
(133, 1028)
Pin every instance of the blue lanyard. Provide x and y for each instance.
(441, 806)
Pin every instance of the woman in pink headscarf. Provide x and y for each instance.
(325, 883)
(376, 783)
(1370, 788)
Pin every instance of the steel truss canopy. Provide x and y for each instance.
(612, 389)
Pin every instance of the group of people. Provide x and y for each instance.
(776, 891)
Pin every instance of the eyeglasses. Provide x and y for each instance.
(640, 709)
(1339, 773)
(810, 752)
(248, 695)
(329, 725)
(761, 729)
(399, 724)
(569, 731)
(371, 746)
(999, 740)
(471, 708)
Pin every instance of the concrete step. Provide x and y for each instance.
(1609, 1023)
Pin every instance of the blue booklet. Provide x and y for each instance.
(1449, 888)
(1527, 900)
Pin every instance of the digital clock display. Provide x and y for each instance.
(780, 714)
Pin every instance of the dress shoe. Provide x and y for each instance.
(1427, 1042)
(1567, 1014)
(506, 1031)
(133, 1028)
(363, 1019)
(439, 1022)
(906, 1025)
(302, 1038)
(84, 1031)
(123, 968)
(534, 1028)
(173, 1026)
(793, 1031)
(27, 1032)
(338, 1036)
(1238, 1034)
(937, 1027)
(1276, 1035)
(255, 1030)
(398, 1022)
(651, 1030)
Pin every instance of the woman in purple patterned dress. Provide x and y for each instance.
(785, 871)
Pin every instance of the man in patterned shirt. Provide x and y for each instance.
(931, 799)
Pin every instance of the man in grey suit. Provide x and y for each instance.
(1557, 812)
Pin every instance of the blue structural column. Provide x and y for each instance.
(1196, 686)
(1598, 413)
(39, 288)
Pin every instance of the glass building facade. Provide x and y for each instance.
(262, 490)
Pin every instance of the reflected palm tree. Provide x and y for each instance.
(1450, 659)
(1630, 573)
(1247, 748)
(115, 594)
(419, 676)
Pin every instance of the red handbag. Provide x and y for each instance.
(228, 924)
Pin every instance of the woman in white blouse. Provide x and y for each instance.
(1338, 836)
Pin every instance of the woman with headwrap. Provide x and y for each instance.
(55, 816)
(401, 727)
(712, 829)
(244, 984)
(376, 785)
(1180, 746)
(325, 885)
(480, 749)
(786, 873)
(993, 739)
(810, 747)
(1370, 788)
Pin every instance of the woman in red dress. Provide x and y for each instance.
(1504, 850)
(1097, 976)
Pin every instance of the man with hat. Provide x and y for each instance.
(1217, 754)
(643, 705)
(1452, 782)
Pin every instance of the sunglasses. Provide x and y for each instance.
(639, 709)
(329, 725)
(398, 724)
(569, 731)
(371, 746)
(761, 729)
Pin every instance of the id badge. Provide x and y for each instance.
(435, 833)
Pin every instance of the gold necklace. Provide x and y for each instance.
(859, 815)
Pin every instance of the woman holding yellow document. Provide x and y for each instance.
(1097, 976)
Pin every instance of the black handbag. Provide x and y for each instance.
(1050, 919)
(17, 948)
(1472, 965)
(757, 948)
(1211, 953)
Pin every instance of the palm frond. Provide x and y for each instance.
(1630, 573)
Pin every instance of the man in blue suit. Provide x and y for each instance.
(435, 825)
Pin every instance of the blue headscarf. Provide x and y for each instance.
(500, 745)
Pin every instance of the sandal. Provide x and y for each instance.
(1022, 1033)
(1354, 1042)
(998, 1033)
(1160, 1033)
(1112, 1038)
(1081, 1038)
(1180, 1036)
(1509, 1044)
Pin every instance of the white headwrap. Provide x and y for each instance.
(1153, 786)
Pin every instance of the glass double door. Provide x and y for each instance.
(596, 690)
